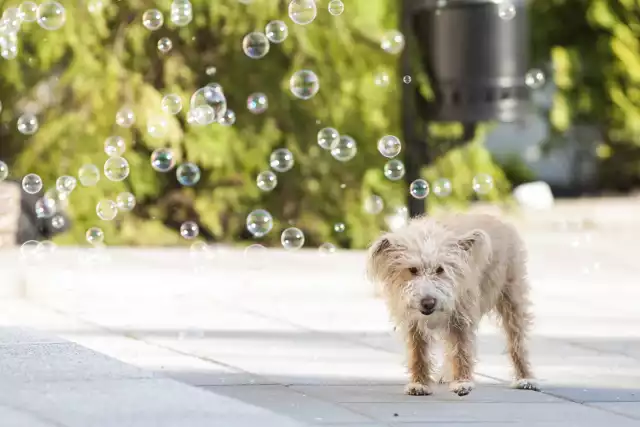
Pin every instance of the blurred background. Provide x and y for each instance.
(85, 83)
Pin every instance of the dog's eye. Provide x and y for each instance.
(439, 270)
(414, 271)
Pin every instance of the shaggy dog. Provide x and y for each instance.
(439, 278)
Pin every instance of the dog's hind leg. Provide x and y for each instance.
(420, 364)
(513, 308)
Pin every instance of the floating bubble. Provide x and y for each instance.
(46, 247)
(506, 10)
(302, 12)
(163, 160)
(94, 235)
(259, 222)
(336, 7)
(292, 239)
(9, 51)
(60, 199)
(441, 187)
(106, 209)
(125, 117)
(389, 146)
(327, 138)
(152, 19)
(51, 15)
(200, 248)
(482, 183)
(181, 13)
(165, 45)
(88, 175)
(210, 71)
(114, 146)
(381, 79)
(58, 222)
(373, 204)
(157, 126)
(203, 115)
(394, 170)
(406, 79)
(327, 249)
(126, 202)
(267, 181)
(116, 168)
(257, 103)
(392, 42)
(29, 249)
(215, 86)
(211, 96)
(28, 124)
(171, 103)
(228, 118)
(339, 227)
(304, 84)
(276, 31)
(419, 189)
(4, 171)
(534, 79)
(188, 174)
(95, 6)
(28, 11)
(31, 183)
(345, 149)
(189, 230)
(255, 253)
(255, 45)
(281, 160)
(45, 207)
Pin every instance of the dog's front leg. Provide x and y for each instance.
(461, 352)
(420, 363)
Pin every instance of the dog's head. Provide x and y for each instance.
(424, 266)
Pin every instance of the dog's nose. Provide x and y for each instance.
(427, 305)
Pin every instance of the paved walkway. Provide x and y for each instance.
(165, 339)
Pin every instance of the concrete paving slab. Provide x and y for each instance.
(596, 394)
(12, 417)
(630, 409)
(15, 336)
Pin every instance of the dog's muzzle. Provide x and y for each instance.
(427, 305)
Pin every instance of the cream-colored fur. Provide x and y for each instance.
(439, 278)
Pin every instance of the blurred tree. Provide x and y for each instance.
(76, 78)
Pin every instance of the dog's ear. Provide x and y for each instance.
(378, 258)
(472, 239)
(380, 246)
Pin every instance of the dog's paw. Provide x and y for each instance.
(526, 384)
(461, 388)
(417, 389)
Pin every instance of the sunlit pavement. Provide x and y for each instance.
(92, 339)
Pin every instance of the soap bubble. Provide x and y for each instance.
(482, 183)
(389, 146)
(89, 175)
(259, 222)
(255, 45)
(157, 126)
(165, 45)
(126, 201)
(188, 174)
(328, 137)
(125, 117)
(394, 170)
(152, 19)
(211, 96)
(441, 187)
(276, 31)
(257, 103)
(181, 13)
(51, 15)
(506, 10)
(339, 227)
(292, 238)
(171, 103)
(4, 171)
(28, 11)
(28, 124)
(304, 84)
(336, 7)
(114, 146)
(94, 235)
(116, 168)
(228, 118)
(392, 42)
(302, 12)
(47, 247)
(189, 230)
(106, 209)
(32, 183)
(29, 249)
(281, 160)
(163, 160)
(210, 71)
(406, 79)
(58, 222)
(267, 181)
(373, 204)
(45, 207)
(381, 79)
(345, 149)
(9, 51)
(204, 115)
(327, 249)
(419, 189)
(535, 79)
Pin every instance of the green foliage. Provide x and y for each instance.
(103, 60)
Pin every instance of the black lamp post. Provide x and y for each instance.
(475, 54)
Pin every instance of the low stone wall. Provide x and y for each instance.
(10, 210)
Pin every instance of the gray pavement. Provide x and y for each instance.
(165, 338)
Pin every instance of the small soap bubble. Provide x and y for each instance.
(204, 115)
(188, 174)
(45, 207)
(327, 138)
(392, 42)
(189, 230)
(441, 187)
(88, 175)
(394, 170)
(267, 181)
(125, 117)
(116, 168)
(327, 249)
(157, 126)
(114, 146)
(336, 7)
(257, 103)
(339, 227)
(28, 11)
(32, 183)
(94, 236)
(47, 247)
(304, 84)
(292, 238)
(171, 103)
(302, 12)
(28, 124)
(126, 202)
(228, 118)
(4, 171)
(281, 160)
(163, 160)
(106, 210)
(276, 31)
(389, 146)
(381, 79)
(58, 222)
(345, 149)
(506, 10)
(29, 249)
(208, 96)
(211, 71)
(152, 19)
(419, 189)
(373, 204)
(482, 183)
(181, 13)
(406, 79)
(255, 45)
(51, 15)
(165, 45)
(534, 79)
(259, 222)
